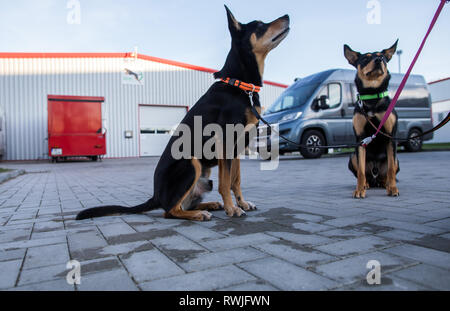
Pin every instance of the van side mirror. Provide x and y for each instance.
(323, 102)
(320, 103)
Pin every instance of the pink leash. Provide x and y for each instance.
(367, 140)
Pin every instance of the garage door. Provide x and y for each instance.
(156, 122)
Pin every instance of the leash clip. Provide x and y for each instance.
(250, 95)
(367, 140)
(359, 101)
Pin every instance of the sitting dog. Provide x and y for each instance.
(176, 181)
(375, 165)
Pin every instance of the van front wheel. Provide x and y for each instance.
(312, 139)
(414, 144)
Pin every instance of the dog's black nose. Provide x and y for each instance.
(377, 60)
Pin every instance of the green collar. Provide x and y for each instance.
(373, 96)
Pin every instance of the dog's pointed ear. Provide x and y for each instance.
(233, 25)
(388, 53)
(351, 55)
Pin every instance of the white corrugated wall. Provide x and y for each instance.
(26, 82)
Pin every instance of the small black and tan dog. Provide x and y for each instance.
(375, 165)
(180, 183)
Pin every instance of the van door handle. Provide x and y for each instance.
(342, 112)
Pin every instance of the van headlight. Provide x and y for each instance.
(290, 116)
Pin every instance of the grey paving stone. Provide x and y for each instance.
(46, 255)
(250, 286)
(349, 221)
(113, 280)
(48, 226)
(445, 236)
(42, 274)
(8, 227)
(342, 234)
(294, 253)
(55, 285)
(286, 276)
(435, 214)
(355, 268)
(115, 229)
(9, 272)
(389, 282)
(12, 254)
(150, 265)
(207, 280)
(178, 248)
(49, 234)
(309, 217)
(177, 242)
(427, 275)
(394, 215)
(400, 235)
(353, 246)
(312, 227)
(153, 226)
(24, 214)
(125, 248)
(100, 265)
(222, 258)
(198, 233)
(79, 241)
(302, 239)
(14, 235)
(410, 226)
(32, 243)
(137, 219)
(443, 224)
(238, 241)
(422, 254)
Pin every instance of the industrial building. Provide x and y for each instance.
(440, 97)
(144, 98)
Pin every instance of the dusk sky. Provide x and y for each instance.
(196, 31)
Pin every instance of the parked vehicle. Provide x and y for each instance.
(302, 119)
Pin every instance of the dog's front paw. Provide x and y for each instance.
(359, 193)
(392, 191)
(366, 186)
(247, 205)
(232, 211)
(205, 216)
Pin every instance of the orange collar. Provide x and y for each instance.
(248, 87)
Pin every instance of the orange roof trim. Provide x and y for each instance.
(118, 55)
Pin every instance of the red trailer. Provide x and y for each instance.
(75, 127)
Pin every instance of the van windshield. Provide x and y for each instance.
(293, 98)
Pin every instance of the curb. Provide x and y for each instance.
(10, 175)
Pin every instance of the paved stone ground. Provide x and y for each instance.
(307, 234)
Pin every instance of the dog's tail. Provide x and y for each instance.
(115, 209)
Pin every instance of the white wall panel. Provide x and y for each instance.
(26, 82)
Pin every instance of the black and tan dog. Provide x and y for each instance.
(375, 165)
(176, 181)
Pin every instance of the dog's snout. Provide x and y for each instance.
(286, 19)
